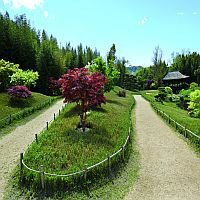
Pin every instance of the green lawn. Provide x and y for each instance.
(63, 150)
(175, 112)
(7, 108)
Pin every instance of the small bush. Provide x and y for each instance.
(19, 92)
(193, 86)
(168, 90)
(194, 104)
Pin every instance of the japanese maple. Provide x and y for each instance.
(84, 88)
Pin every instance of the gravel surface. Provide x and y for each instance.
(18, 140)
(170, 170)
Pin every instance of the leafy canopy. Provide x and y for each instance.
(6, 70)
(80, 86)
(27, 78)
(84, 88)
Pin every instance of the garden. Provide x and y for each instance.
(86, 145)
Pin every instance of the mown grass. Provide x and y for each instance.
(175, 112)
(63, 149)
(7, 107)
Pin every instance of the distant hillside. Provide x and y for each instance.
(134, 69)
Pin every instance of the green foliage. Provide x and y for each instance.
(194, 104)
(111, 54)
(27, 78)
(193, 86)
(168, 90)
(7, 69)
(112, 74)
(62, 149)
(161, 96)
(143, 76)
(98, 65)
(110, 71)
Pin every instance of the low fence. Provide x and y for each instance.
(83, 172)
(194, 138)
(21, 114)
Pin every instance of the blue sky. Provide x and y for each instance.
(135, 26)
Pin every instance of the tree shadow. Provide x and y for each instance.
(114, 102)
(75, 111)
(22, 103)
(97, 136)
(99, 109)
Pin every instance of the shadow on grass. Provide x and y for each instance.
(96, 136)
(22, 103)
(75, 111)
(114, 102)
(99, 109)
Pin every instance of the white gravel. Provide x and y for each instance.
(18, 140)
(170, 170)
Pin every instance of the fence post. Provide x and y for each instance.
(59, 112)
(85, 176)
(10, 119)
(185, 132)
(42, 176)
(47, 125)
(36, 137)
(109, 166)
(21, 166)
(129, 134)
(54, 116)
(123, 152)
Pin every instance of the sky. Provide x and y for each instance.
(136, 27)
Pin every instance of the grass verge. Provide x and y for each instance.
(63, 150)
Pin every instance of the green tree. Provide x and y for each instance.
(159, 68)
(111, 54)
(26, 78)
(7, 69)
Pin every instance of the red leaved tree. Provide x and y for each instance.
(84, 88)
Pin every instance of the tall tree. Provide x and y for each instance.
(111, 54)
(159, 68)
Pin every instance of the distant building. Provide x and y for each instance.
(176, 80)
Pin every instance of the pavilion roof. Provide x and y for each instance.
(175, 75)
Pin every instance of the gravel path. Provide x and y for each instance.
(17, 141)
(169, 169)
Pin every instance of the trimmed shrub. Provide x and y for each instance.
(19, 92)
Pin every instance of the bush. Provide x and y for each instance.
(161, 94)
(168, 90)
(193, 86)
(19, 92)
(194, 104)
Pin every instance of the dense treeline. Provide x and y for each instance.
(32, 49)
(188, 64)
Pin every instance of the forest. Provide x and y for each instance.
(34, 50)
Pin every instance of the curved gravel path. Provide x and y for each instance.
(17, 141)
(169, 169)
